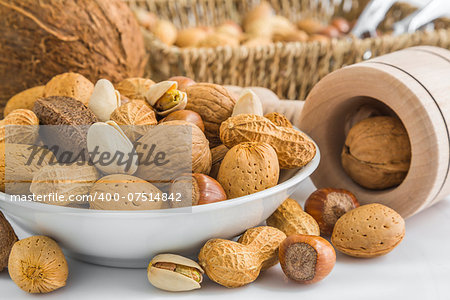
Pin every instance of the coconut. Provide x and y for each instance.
(40, 39)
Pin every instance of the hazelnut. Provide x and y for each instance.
(327, 205)
(188, 116)
(306, 258)
(196, 189)
(377, 153)
(183, 82)
(341, 24)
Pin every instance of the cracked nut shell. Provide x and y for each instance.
(306, 259)
(327, 205)
(377, 153)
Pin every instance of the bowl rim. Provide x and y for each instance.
(300, 175)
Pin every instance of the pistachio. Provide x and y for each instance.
(165, 97)
(111, 150)
(174, 273)
(248, 103)
(104, 99)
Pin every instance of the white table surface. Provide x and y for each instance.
(419, 268)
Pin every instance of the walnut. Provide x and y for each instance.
(377, 153)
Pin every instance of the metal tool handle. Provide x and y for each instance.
(431, 11)
(374, 12)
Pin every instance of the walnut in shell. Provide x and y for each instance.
(19, 163)
(7, 239)
(38, 265)
(24, 99)
(171, 149)
(21, 126)
(68, 181)
(70, 85)
(214, 104)
(248, 168)
(135, 118)
(125, 186)
(294, 148)
(134, 88)
(377, 153)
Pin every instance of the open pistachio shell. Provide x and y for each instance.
(104, 99)
(170, 280)
(180, 106)
(248, 103)
(156, 91)
(109, 138)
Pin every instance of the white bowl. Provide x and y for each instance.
(130, 238)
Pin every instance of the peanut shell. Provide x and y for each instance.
(369, 230)
(291, 219)
(248, 168)
(279, 119)
(293, 147)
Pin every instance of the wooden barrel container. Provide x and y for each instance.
(414, 85)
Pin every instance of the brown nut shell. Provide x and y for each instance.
(38, 265)
(218, 153)
(214, 104)
(135, 118)
(279, 119)
(183, 82)
(248, 168)
(188, 116)
(377, 153)
(7, 239)
(70, 85)
(306, 259)
(21, 126)
(134, 88)
(291, 219)
(175, 140)
(24, 99)
(196, 189)
(125, 185)
(368, 231)
(327, 205)
(293, 147)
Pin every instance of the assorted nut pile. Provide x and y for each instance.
(292, 237)
(260, 26)
(232, 149)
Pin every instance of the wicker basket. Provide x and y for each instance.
(289, 69)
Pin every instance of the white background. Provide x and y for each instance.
(419, 268)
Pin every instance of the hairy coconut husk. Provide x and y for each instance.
(40, 39)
